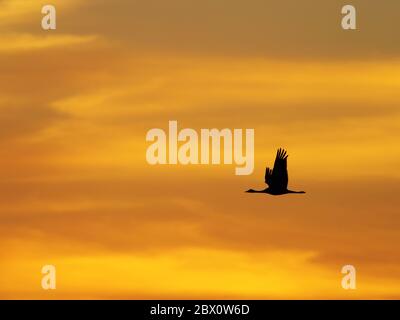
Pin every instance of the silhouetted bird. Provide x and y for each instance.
(277, 179)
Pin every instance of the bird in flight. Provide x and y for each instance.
(277, 179)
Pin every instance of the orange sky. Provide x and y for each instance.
(76, 190)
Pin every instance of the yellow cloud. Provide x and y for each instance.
(178, 84)
(26, 42)
(187, 273)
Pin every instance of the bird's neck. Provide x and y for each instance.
(256, 191)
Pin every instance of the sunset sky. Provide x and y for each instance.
(76, 190)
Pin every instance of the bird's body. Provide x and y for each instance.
(277, 179)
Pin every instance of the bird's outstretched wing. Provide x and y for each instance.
(279, 177)
(268, 176)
